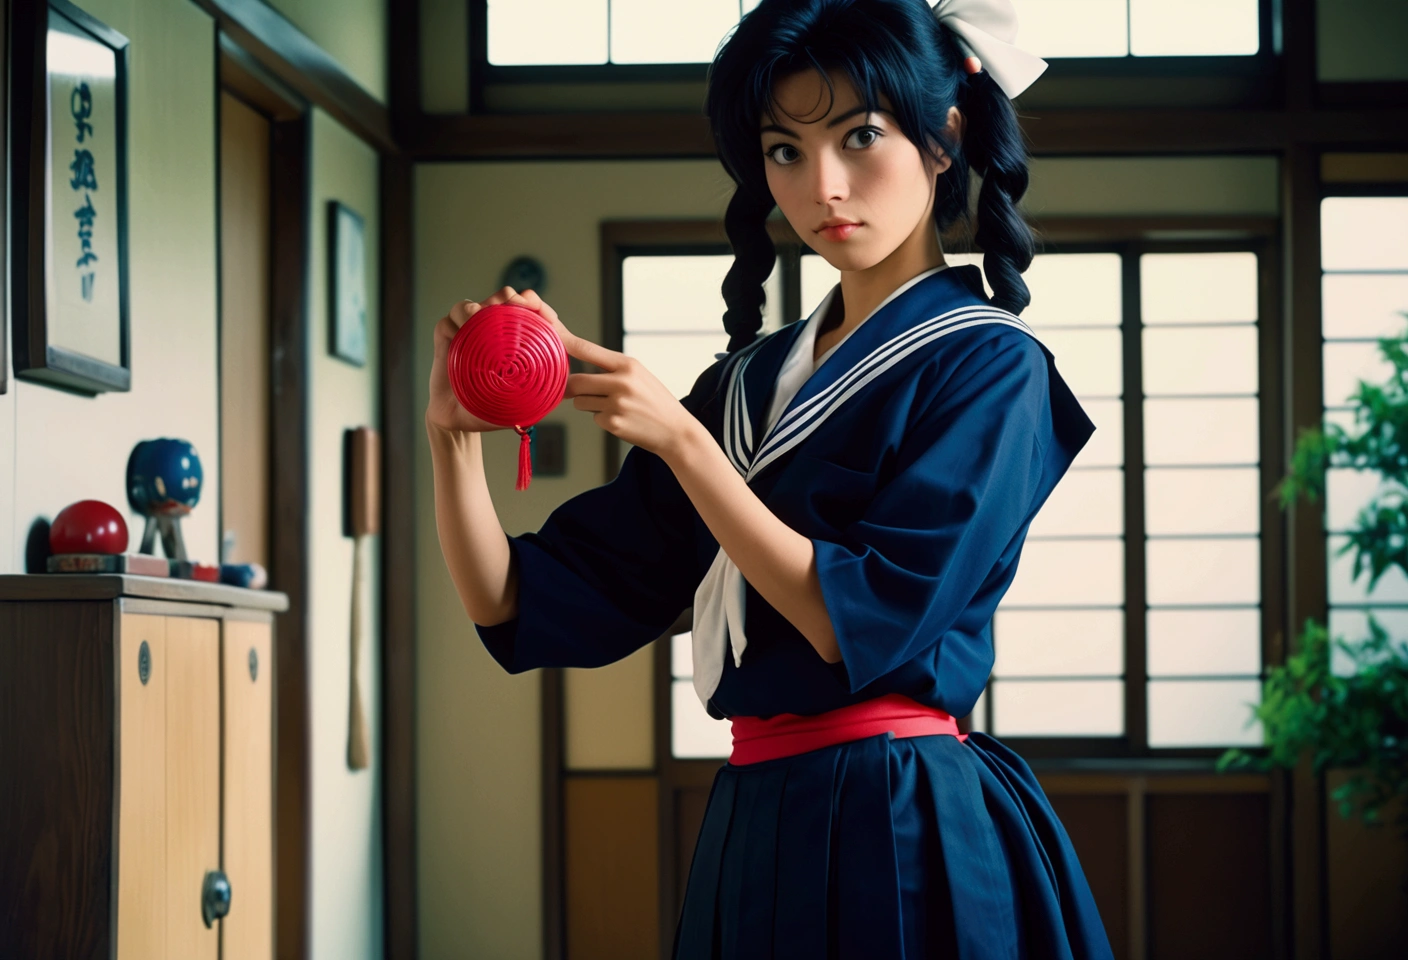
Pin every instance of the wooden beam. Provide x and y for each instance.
(558, 136)
(286, 51)
(400, 427)
(1306, 593)
(288, 569)
(1051, 132)
(398, 570)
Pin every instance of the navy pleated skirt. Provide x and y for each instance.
(879, 848)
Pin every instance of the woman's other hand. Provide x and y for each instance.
(626, 399)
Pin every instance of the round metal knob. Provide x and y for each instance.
(214, 897)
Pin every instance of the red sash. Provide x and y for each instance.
(787, 734)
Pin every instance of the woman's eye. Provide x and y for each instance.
(772, 153)
(873, 133)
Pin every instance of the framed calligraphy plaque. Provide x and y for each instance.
(347, 285)
(69, 190)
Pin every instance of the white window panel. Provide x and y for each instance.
(684, 294)
(676, 359)
(1197, 287)
(1072, 289)
(1204, 713)
(1347, 491)
(1193, 28)
(1063, 573)
(1085, 503)
(1058, 708)
(1352, 626)
(1341, 417)
(1391, 588)
(533, 32)
(693, 733)
(1348, 362)
(682, 655)
(1203, 642)
(1364, 233)
(1195, 572)
(1105, 448)
(1082, 643)
(818, 277)
(669, 31)
(1191, 501)
(1090, 361)
(1073, 28)
(980, 713)
(1192, 431)
(1191, 360)
(1364, 305)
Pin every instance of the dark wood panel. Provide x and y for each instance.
(304, 66)
(56, 791)
(398, 563)
(108, 586)
(288, 570)
(1098, 826)
(1209, 865)
(554, 852)
(1114, 132)
(1366, 876)
(4, 216)
(1304, 558)
(611, 865)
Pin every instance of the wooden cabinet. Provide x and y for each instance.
(136, 768)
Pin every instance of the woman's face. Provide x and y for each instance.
(828, 161)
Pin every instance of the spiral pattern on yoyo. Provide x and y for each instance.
(507, 366)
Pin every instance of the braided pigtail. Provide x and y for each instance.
(993, 143)
(754, 256)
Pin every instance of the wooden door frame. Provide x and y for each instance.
(269, 63)
(290, 133)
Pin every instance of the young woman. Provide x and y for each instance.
(842, 502)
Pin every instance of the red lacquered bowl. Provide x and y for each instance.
(507, 366)
(88, 526)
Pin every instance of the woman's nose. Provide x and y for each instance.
(829, 180)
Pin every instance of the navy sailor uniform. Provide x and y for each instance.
(915, 458)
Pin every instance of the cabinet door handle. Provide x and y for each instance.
(214, 897)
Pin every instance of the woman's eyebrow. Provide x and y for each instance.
(833, 122)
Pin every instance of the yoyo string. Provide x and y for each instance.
(508, 367)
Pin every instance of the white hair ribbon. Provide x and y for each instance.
(987, 29)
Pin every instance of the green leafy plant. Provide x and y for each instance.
(1353, 719)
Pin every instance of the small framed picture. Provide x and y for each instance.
(347, 285)
(69, 189)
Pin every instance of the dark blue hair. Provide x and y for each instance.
(892, 47)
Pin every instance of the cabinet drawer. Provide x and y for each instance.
(168, 785)
(141, 787)
(192, 783)
(247, 679)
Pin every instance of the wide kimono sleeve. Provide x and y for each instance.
(608, 572)
(968, 474)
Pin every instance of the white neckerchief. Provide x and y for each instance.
(719, 601)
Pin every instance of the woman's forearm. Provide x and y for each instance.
(778, 561)
(472, 540)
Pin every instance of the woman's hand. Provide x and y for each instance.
(627, 400)
(444, 409)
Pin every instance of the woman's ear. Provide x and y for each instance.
(957, 124)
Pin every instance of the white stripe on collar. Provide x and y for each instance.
(800, 422)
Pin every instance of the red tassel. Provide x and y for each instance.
(525, 460)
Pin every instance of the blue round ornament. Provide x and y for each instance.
(164, 477)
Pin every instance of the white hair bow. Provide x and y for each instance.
(987, 29)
